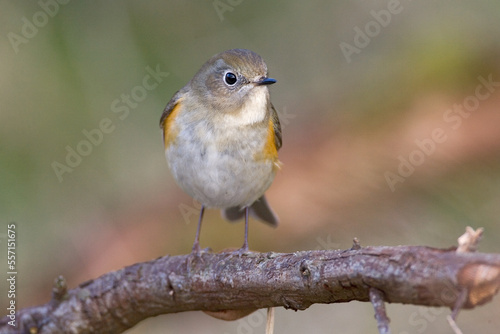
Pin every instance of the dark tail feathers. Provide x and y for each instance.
(260, 209)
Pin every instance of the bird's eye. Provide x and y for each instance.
(230, 78)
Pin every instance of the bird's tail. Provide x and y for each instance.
(260, 209)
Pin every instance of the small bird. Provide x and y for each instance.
(222, 136)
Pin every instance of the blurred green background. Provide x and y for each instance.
(349, 117)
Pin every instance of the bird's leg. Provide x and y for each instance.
(196, 245)
(244, 248)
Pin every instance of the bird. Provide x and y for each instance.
(222, 135)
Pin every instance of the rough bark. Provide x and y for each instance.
(118, 300)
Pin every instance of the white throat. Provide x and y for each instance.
(253, 111)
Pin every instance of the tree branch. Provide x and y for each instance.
(118, 300)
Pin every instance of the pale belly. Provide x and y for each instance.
(221, 176)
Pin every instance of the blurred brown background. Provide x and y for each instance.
(360, 83)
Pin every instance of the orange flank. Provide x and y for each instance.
(270, 151)
(170, 130)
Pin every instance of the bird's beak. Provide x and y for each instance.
(265, 81)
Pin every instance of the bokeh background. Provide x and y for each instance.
(348, 118)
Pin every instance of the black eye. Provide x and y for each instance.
(230, 78)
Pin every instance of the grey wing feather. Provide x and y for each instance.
(277, 128)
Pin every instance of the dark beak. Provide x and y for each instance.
(266, 81)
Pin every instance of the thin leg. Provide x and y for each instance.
(244, 248)
(196, 245)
